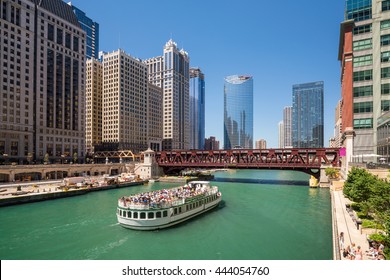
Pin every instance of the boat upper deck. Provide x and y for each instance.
(167, 198)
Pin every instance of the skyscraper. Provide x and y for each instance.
(365, 71)
(91, 29)
(287, 126)
(94, 104)
(308, 115)
(281, 134)
(125, 102)
(238, 112)
(42, 81)
(197, 109)
(171, 73)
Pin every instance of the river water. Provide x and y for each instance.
(264, 215)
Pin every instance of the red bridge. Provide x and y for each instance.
(305, 160)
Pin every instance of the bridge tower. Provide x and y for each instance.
(149, 169)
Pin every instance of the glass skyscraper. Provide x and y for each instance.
(91, 28)
(238, 112)
(197, 109)
(308, 115)
(358, 9)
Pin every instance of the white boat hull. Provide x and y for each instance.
(170, 220)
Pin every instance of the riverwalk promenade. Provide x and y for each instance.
(343, 222)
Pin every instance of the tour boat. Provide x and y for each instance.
(167, 207)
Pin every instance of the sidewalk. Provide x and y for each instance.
(345, 224)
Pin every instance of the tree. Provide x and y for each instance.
(359, 185)
(75, 157)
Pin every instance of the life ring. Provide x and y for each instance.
(219, 194)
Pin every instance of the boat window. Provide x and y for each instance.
(165, 213)
(120, 212)
(135, 215)
(142, 215)
(175, 211)
(158, 214)
(150, 215)
(179, 209)
(187, 207)
(129, 214)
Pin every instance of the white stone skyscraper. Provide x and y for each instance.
(287, 123)
(171, 73)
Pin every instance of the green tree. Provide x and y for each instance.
(358, 187)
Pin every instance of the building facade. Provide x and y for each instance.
(155, 121)
(171, 73)
(308, 115)
(281, 134)
(211, 143)
(42, 55)
(338, 125)
(365, 71)
(238, 112)
(91, 29)
(287, 123)
(261, 144)
(94, 104)
(125, 100)
(197, 109)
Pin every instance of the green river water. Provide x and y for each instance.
(264, 215)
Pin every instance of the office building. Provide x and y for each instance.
(261, 144)
(94, 104)
(211, 143)
(281, 134)
(171, 73)
(125, 100)
(197, 109)
(338, 125)
(365, 71)
(287, 126)
(308, 115)
(91, 29)
(42, 56)
(238, 112)
(154, 115)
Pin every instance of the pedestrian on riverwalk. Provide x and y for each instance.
(341, 241)
(359, 253)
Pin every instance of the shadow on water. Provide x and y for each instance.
(262, 181)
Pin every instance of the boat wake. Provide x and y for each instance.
(262, 181)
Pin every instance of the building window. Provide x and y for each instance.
(365, 75)
(385, 56)
(362, 44)
(385, 72)
(362, 60)
(385, 5)
(385, 89)
(362, 29)
(385, 24)
(385, 105)
(362, 123)
(385, 40)
(363, 107)
(362, 91)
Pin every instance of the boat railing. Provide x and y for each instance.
(150, 206)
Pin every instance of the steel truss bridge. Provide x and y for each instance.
(306, 160)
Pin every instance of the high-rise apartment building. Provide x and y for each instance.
(365, 71)
(308, 115)
(238, 112)
(197, 109)
(211, 144)
(94, 103)
(125, 100)
(281, 134)
(287, 126)
(91, 29)
(171, 73)
(42, 55)
(155, 121)
(261, 144)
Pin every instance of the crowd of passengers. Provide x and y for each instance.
(159, 198)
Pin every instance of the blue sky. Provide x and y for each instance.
(279, 43)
